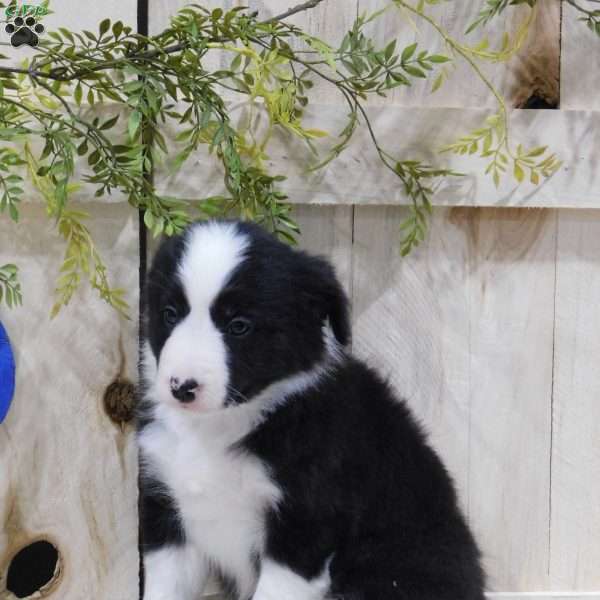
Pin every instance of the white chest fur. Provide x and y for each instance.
(222, 494)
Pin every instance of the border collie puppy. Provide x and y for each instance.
(270, 456)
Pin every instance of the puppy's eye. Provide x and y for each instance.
(239, 326)
(169, 315)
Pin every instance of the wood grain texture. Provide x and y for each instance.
(472, 353)
(510, 295)
(534, 70)
(575, 531)
(534, 73)
(328, 231)
(414, 124)
(580, 67)
(411, 319)
(75, 16)
(68, 473)
(358, 177)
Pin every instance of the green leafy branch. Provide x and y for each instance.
(81, 258)
(494, 8)
(10, 288)
(158, 80)
(591, 17)
(493, 140)
(11, 183)
(150, 84)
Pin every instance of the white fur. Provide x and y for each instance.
(222, 493)
(278, 582)
(195, 348)
(174, 573)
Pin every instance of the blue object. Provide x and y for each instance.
(7, 374)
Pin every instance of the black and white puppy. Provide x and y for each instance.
(269, 455)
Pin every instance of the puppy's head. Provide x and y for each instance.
(230, 310)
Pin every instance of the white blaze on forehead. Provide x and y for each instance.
(212, 252)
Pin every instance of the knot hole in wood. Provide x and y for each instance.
(34, 570)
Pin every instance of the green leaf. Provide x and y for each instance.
(408, 52)
(437, 84)
(390, 49)
(414, 71)
(78, 93)
(519, 173)
(316, 133)
(110, 123)
(104, 26)
(148, 219)
(537, 151)
(438, 58)
(133, 123)
(82, 148)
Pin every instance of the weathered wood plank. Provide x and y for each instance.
(534, 70)
(69, 474)
(510, 297)
(75, 16)
(358, 177)
(575, 533)
(580, 67)
(328, 231)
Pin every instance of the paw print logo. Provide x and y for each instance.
(24, 31)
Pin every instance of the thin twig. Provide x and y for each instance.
(294, 10)
(580, 8)
(149, 55)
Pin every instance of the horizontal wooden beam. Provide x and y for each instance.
(358, 177)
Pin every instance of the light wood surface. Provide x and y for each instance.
(575, 531)
(489, 330)
(69, 474)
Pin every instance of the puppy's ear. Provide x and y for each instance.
(324, 289)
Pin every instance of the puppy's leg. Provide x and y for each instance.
(174, 573)
(278, 582)
(173, 569)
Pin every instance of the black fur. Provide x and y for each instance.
(163, 289)
(159, 517)
(359, 481)
(361, 484)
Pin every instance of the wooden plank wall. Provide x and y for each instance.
(490, 329)
(68, 473)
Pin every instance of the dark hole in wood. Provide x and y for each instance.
(119, 401)
(31, 569)
(537, 102)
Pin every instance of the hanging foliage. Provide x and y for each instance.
(148, 84)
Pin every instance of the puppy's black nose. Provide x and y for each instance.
(186, 391)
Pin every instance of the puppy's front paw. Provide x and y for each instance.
(173, 573)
